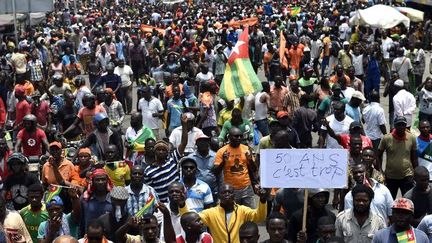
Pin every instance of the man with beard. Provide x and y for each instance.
(227, 208)
(356, 224)
(16, 185)
(402, 215)
(382, 201)
(317, 208)
(31, 139)
(5, 152)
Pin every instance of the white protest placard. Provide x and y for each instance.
(304, 168)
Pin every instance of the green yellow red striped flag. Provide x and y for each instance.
(149, 204)
(240, 78)
(53, 191)
(407, 236)
(294, 11)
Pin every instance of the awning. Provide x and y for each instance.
(379, 16)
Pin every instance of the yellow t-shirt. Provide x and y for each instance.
(236, 171)
(119, 174)
(225, 115)
(71, 84)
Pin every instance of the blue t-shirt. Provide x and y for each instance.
(388, 235)
(73, 227)
(175, 108)
(352, 112)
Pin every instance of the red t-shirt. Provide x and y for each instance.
(345, 141)
(32, 143)
(41, 112)
(22, 108)
(86, 115)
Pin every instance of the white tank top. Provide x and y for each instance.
(261, 109)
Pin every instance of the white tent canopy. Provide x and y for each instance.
(379, 16)
(413, 14)
(8, 19)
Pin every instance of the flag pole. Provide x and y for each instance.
(15, 21)
(305, 203)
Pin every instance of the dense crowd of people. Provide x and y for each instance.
(74, 166)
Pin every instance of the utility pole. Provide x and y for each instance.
(15, 21)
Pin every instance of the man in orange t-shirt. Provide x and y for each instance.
(235, 160)
(57, 170)
(295, 55)
(86, 114)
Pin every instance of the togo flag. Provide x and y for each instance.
(53, 191)
(240, 78)
(406, 236)
(143, 135)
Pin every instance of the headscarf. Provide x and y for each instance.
(90, 188)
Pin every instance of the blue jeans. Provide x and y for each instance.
(263, 126)
(324, 64)
(245, 196)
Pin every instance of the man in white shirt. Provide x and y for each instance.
(374, 119)
(125, 95)
(152, 111)
(404, 102)
(193, 134)
(316, 48)
(339, 123)
(402, 66)
(387, 42)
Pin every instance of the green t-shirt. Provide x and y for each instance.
(32, 220)
(246, 128)
(398, 153)
(325, 105)
(308, 87)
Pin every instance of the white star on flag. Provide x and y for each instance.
(236, 47)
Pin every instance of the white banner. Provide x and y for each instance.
(304, 168)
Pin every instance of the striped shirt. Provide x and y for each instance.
(160, 177)
(198, 196)
(35, 69)
(137, 201)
